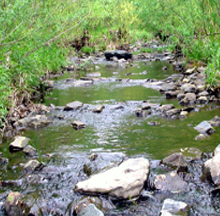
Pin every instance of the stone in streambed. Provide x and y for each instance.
(73, 106)
(176, 160)
(99, 109)
(117, 53)
(201, 137)
(170, 182)
(14, 205)
(78, 125)
(32, 165)
(122, 182)
(90, 210)
(173, 207)
(18, 144)
(30, 151)
(205, 128)
(189, 98)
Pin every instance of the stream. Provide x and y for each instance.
(113, 134)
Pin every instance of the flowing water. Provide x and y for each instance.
(111, 131)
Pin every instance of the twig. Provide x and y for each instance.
(11, 32)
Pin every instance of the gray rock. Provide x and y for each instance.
(73, 106)
(190, 98)
(205, 128)
(117, 107)
(13, 205)
(183, 114)
(170, 182)
(201, 137)
(90, 210)
(32, 165)
(153, 123)
(37, 121)
(165, 108)
(211, 169)
(202, 100)
(18, 144)
(122, 182)
(78, 125)
(176, 160)
(190, 71)
(102, 161)
(147, 105)
(172, 112)
(3, 160)
(172, 207)
(180, 96)
(30, 151)
(188, 88)
(203, 93)
(99, 109)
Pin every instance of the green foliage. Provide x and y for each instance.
(88, 50)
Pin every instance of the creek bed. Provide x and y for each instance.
(112, 131)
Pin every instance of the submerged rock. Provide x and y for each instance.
(172, 207)
(170, 182)
(78, 125)
(122, 182)
(176, 160)
(205, 128)
(73, 106)
(90, 210)
(18, 144)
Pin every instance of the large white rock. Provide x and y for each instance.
(19, 143)
(122, 182)
(212, 169)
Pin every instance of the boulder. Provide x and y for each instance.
(189, 98)
(117, 53)
(211, 169)
(142, 113)
(147, 105)
(170, 182)
(37, 121)
(172, 207)
(183, 114)
(180, 96)
(99, 109)
(32, 165)
(73, 106)
(122, 182)
(13, 205)
(78, 125)
(18, 144)
(90, 210)
(176, 160)
(205, 128)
